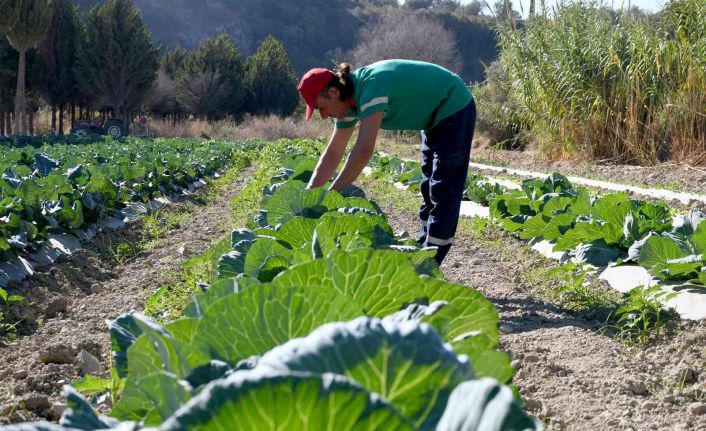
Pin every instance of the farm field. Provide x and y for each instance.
(574, 366)
(467, 322)
(181, 247)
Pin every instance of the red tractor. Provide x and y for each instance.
(114, 127)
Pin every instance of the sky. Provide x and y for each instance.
(647, 5)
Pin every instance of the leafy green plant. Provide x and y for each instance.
(360, 374)
(367, 346)
(322, 234)
(481, 191)
(153, 226)
(7, 302)
(92, 386)
(679, 255)
(125, 251)
(641, 316)
(170, 299)
(600, 230)
(576, 290)
(397, 170)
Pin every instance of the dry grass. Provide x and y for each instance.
(42, 122)
(268, 128)
(273, 127)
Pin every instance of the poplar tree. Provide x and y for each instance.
(25, 23)
(117, 64)
(270, 80)
(58, 58)
(172, 63)
(204, 94)
(162, 98)
(211, 83)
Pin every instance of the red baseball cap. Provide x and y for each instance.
(312, 84)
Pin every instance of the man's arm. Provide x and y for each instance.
(361, 152)
(331, 156)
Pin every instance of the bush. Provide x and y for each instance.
(498, 118)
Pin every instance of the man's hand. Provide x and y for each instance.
(361, 152)
(331, 157)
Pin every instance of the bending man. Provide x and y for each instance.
(399, 95)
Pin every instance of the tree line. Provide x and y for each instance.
(81, 57)
(314, 31)
(106, 62)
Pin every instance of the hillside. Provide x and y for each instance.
(313, 32)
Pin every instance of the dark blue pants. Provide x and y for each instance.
(446, 150)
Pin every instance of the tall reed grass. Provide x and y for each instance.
(611, 86)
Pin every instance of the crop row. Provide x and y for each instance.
(317, 317)
(606, 230)
(56, 188)
(21, 141)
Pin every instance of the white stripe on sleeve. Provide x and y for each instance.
(373, 102)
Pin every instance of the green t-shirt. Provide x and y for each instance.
(414, 95)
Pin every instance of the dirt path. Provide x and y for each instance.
(571, 376)
(82, 292)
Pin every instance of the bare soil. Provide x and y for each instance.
(75, 297)
(571, 376)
